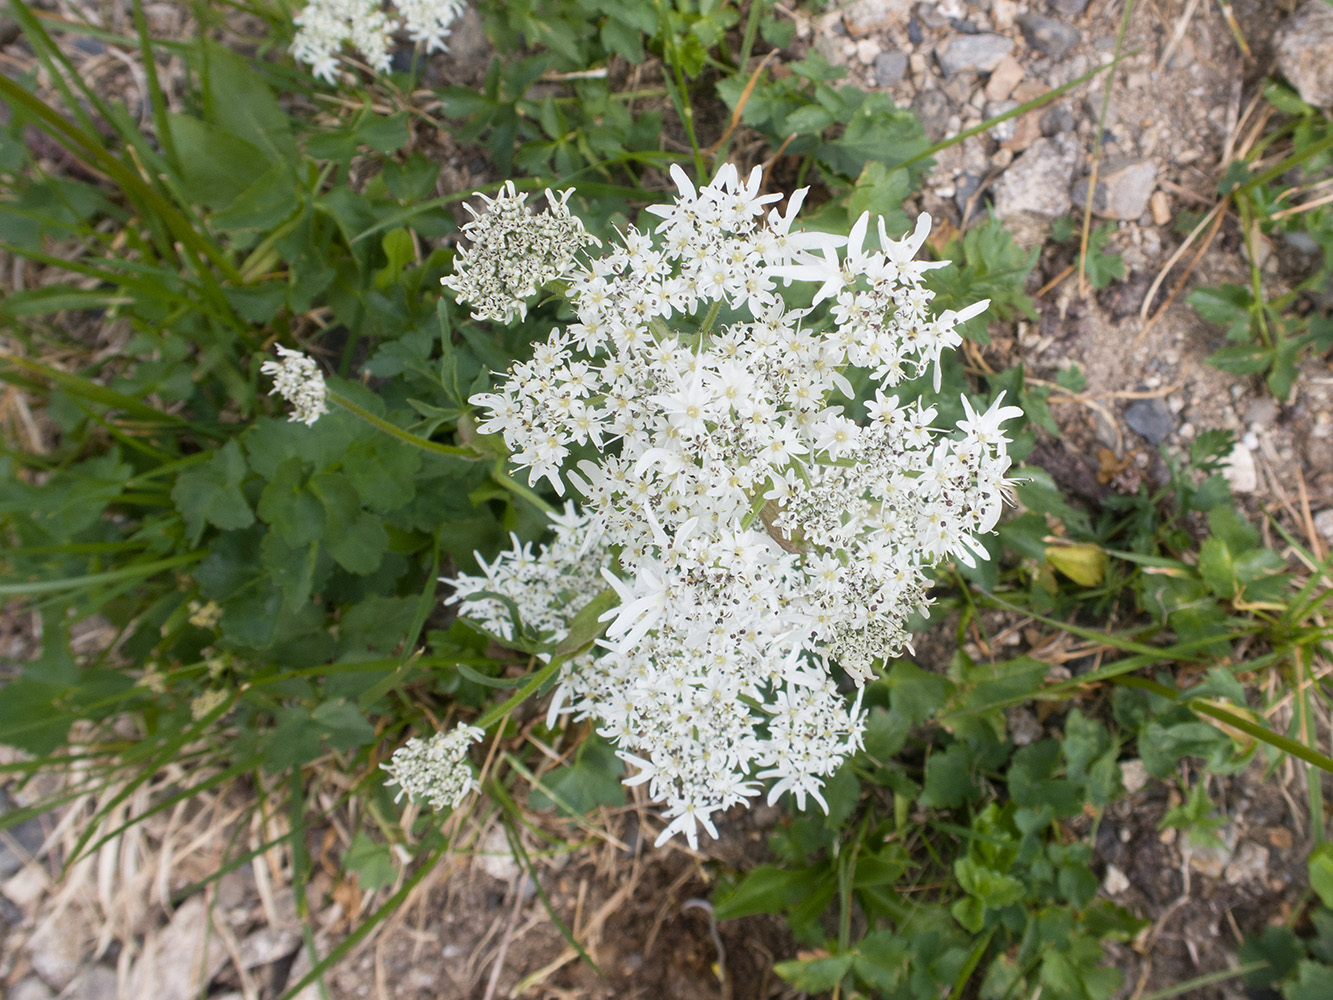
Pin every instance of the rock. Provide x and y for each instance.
(1150, 418)
(1263, 412)
(931, 16)
(1133, 775)
(1115, 882)
(30, 988)
(890, 67)
(180, 959)
(869, 17)
(1048, 35)
(1239, 470)
(1122, 190)
(1323, 523)
(1003, 79)
(1210, 860)
(1303, 45)
(1069, 8)
(1035, 188)
(1160, 205)
(1058, 119)
(57, 949)
(867, 50)
(98, 982)
(1005, 130)
(933, 108)
(1249, 865)
(1023, 726)
(965, 187)
(979, 53)
(26, 837)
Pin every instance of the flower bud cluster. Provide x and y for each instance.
(297, 379)
(514, 252)
(435, 770)
(324, 25)
(761, 533)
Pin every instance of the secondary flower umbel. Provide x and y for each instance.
(297, 379)
(763, 530)
(324, 25)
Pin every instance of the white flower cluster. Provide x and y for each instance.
(761, 532)
(323, 26)
(297, 379)
(435, 770)
(514, 252)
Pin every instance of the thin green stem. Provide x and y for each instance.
(507, 482)
(407, 437)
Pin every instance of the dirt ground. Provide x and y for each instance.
(478, 928)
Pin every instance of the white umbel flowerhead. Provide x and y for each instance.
(513, 252)
(762, 531)
(435, 770)
(297, 379)
(324, 25)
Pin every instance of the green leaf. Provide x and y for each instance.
(1217, 567)
(216, 166)
(915, 694)
(815, 975)
(371, 862)
(291, 509)
(1314, 981)
(592, 780)
(211, 493)
(810, 118)
(769, 889)
(237, 99)
(356, 540)
(1242, 359)
(881, 192)
(342, 725)
(382, 470)
(399, 252)
(992, 888)
(949, 782)
(1321, 872)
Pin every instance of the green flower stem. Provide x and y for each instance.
(583, 632)
(407, 437)
(507, 482)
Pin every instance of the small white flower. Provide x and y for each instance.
(297, 379)
(435, 770)
(324, 25)
(514, 252)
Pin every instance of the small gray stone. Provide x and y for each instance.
(1151, 418)
(979, 53)
(889, 68)
(964, 187)
(1005, 130)
(1122, 191)
(31, 988)
(931, 16)
(1303, 45)
(870, 17)
(1070, 8)
(933, 108)
(1250, 864)
(28, 837)
(1048, 34)
(1323, 523)
(1035, 188)
(1058, 119)
(96, 983)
